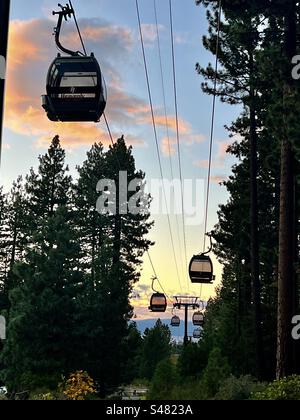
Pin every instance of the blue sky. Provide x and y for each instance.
(110, 30)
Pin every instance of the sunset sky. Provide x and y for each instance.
(110, 30)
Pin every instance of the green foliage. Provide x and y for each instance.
(131, 346)
(287, 389)
(238, 389)
(188, 390)
(113, 246)
(67, 272)
(192, 360)
(216, 371)
(155, 348)
(251, 73)
(164, 380)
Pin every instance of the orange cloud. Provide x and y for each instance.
(22, 47)
(28, 62)
(218, 179)
(160, 120)
(150, 32)
(169, 145)
(29, 57)
(219, 159)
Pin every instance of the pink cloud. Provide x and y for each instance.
(169, 145)
(160, 120)
(219, 158)
(150, 32)
(29, 58)
(218, 179)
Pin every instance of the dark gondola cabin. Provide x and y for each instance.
(197, 334)
(201, 270)
(158, 303)
(198, 319)
(175, 321)
(75, 90)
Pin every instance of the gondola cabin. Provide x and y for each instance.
(198, 319)
(158, 303)
(197, 334)
(75, 90)
(175, 321)
(201, 270)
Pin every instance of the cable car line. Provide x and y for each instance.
(109, 130)
(163, 89)
(177, 132)
(156, 137)
(212, 128)
(166, 119)
(201, 263)
(156, 276)
(85, 52)
(78, 29)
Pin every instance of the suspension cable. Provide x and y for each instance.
(108, 129)
(156, 136)
(148, 252)
(163, 88)
(166, 118)
(156, 276)
(212, 128)
(177, 134)
(78, 29)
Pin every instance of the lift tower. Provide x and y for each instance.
(186, 303)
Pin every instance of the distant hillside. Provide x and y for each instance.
(176, 332)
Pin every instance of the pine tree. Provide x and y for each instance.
(43, 299)
(112, 245)
(156, 347)
(41, 343)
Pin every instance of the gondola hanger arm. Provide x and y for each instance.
(66, 13)
(209, 235)
(153, 281)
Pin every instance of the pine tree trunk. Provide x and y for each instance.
(286, 224)
(285, 266)
(254, 247)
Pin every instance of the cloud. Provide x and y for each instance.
(160, 120)
(181, 38)
(218, 160)
(218, 179)
(29, 58)
(222, 150)
(149, 31)
(169, 145)
(24, 46)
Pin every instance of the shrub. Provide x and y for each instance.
(48, 396)
(188, 391)
(164, 379)
(215, 373)
(238, 389)
(80, 386)
(286, 389)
